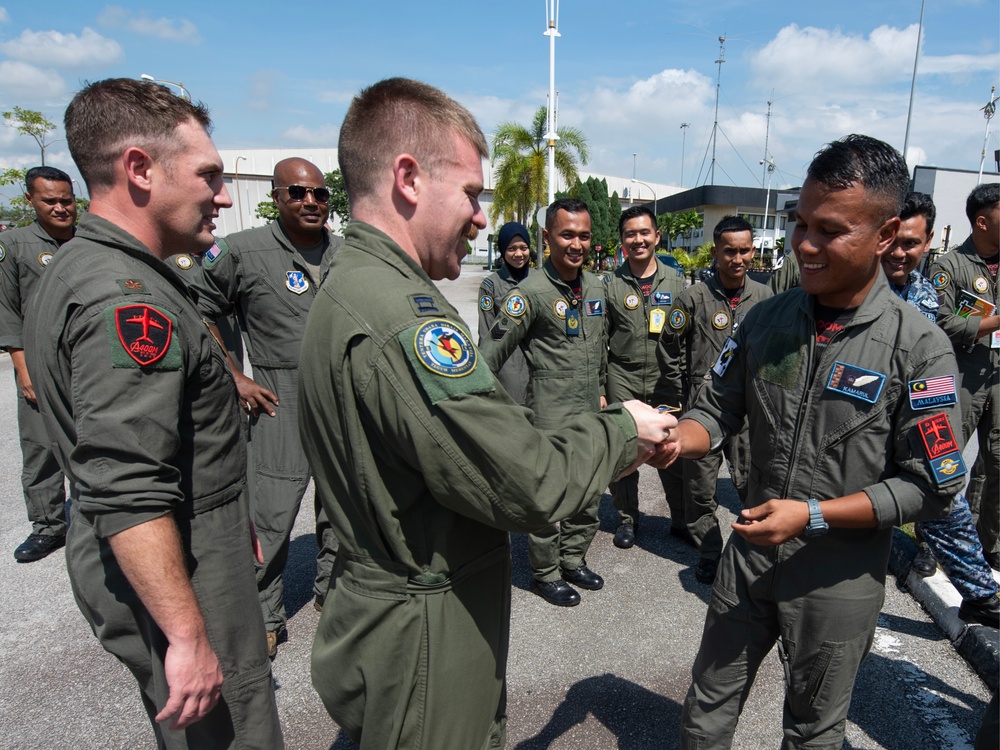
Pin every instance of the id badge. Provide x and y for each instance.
(995, 340)
(573, 322)
(657, 318)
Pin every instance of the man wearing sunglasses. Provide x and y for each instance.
(268, 277)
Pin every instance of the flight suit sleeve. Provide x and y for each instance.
(508, 330)
(10, 301)
(219, 282)
(962, 331)
(446, 426)
(487, 308)
(671, 349)
(126, 424)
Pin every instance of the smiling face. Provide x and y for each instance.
(55, 206)
(733, 255)
(640, 238)
(839, 241)
(517, 254)
(568, 239)
(304, 219)
(912, 243)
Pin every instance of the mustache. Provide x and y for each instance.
(471, 232)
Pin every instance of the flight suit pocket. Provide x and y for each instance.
(822, 681)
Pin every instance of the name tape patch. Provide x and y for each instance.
(856, 382)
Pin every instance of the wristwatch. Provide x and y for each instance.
(816, 526)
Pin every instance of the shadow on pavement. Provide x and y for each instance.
(639, 718)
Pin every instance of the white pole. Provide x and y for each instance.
(988, 111)
(552, 11)
(913, 84)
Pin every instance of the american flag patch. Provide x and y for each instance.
(932, 393)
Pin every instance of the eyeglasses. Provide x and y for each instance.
(298, 192)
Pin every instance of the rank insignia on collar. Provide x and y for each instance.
(444, 349)
(725, 359)
(941, 279)
(296, 281)
(937, 436)
(559, 307)
(486, 303)
(856, 382)
(931, 393)
(144, 331)
(45, 258)
(594, 306)
(631, 301)
(515, 306)
(662, 298)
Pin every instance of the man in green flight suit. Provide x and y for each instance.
(640, 293)
(269, 277)
(399, 420)
(556, 318)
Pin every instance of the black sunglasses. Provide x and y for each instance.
(298, 192)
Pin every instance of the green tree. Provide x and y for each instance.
(339, 205)
(31, 123)
(520, 162)
(266, 210)
(678, 224)
(691, 262)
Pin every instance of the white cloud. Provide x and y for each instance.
(141, 22)
(319, 137)
(4, 15)
(949, 64)
(21, 82)
(64, 50)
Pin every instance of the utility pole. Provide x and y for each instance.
(913, 83)
(988, 111)
(552, 31)
(684, 132)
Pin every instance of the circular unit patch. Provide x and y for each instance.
(486, 303)
(941, 280)
(515, 306)
(44, 258)
(949, 466)
(559, 307)
(981, 285)
(3, 252)
(631, 301)
(444, 349)
(720, 320)
(678, 319)
(184, 261)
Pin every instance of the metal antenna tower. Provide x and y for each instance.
(767, 136)
(715, 125)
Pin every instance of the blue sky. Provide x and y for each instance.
(282, 74)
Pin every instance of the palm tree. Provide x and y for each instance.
(520, 163)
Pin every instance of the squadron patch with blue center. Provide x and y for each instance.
(486, 303)
(941, 279)
(296, 281)
(515, 306)
(678, 319)
(444, 349)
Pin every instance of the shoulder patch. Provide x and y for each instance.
(424, 304)
(142, 336)
(184, 262)
(941, 448)
(132, 286)
(486, 303)
(445, 360)
(678, 319)
(215, 253)
(515, 306)
(941, 280)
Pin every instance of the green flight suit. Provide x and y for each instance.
(513, 376)
(815, 434)
(634, 323)
(567, 376)
(24, 254)
(787, 276)
(700, 322)
(259, 275)
(400, 417)
(140, 406)
(979, 364)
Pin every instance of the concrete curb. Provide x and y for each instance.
(977, 644)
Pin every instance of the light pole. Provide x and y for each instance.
(989, 110)
(640, 182)
(767, 203)
(184, 92)
(236, 185)
(633, 179)
(684, 132)
(552, 31)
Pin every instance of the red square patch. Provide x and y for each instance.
(937, 435)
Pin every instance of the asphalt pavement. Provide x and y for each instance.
(610, 673)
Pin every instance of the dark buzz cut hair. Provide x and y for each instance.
(45, 173)
(870, 163)
(919, 204)
(569, 205)
(982, 197)
(634, 213)
(108, 116)
(400, 116)
(731, 224)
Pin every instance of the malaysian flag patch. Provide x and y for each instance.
(932, 393)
